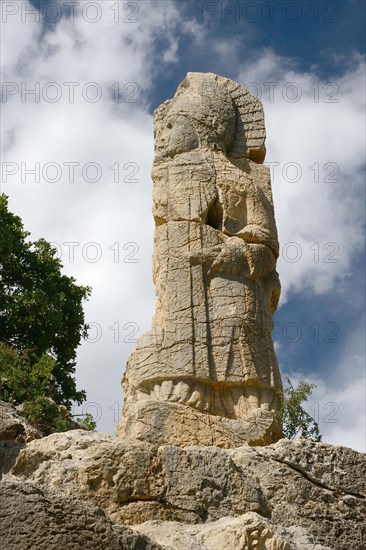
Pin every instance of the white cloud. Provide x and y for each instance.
(339, 411)
(318, 142)
(107, 132)
(338, 403)
(309, 212)
(323, 218)
(111, 214)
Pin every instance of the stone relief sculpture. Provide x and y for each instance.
(206, 373)
(204, 376)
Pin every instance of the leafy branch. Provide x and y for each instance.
(296, 421)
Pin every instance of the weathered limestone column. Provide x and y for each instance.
(206, 372)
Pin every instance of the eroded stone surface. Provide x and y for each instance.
(310, 488)
(156, 422)
(249, 531)
(210, 346)
(14, 426)
(32, 519)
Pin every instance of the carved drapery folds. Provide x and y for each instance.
(206, 373)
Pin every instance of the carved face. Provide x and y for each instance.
(175, 135)
(191, 120)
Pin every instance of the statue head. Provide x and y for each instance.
(196, 117)
(211, 112)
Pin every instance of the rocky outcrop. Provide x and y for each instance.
(206, 372)
(184, 425)
(249, 531)
(196, 465)
(296, 488)
(35, 519)
(14, 426)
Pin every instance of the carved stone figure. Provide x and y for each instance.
(206, 373)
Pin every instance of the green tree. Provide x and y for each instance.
(87, 422)
(31, 384)
(22, 380)
(41, 317)
(296, 422)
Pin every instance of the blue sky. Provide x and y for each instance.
(309, 55)
(321, 34)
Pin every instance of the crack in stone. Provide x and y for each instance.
(337, 493)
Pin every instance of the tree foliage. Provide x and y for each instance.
(40, 308)
(296, 422)
(87, 422)
(41, 324)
